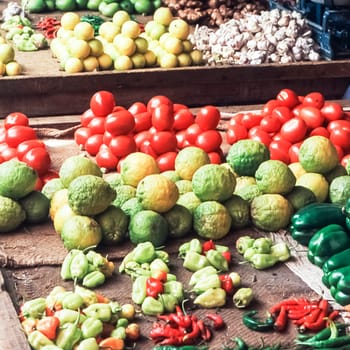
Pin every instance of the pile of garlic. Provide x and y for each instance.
(275, 36)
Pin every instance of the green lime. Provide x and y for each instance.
(339, 190)
(90, 195)
(12, 214)
(244, 156)
(339, 170)
(274, 176)
(239, 210)
(213, 182)
(317, 154)
(211, 220)
(75, 166)
(81, 232)
(300, 196)
(270, 212)
(123, 193)
(242, 181)
(189, 200)
(317, 183)
(17, 179)
(184, 186)
(179, 220)
(249, 192)
(131, 206)
(148, 225)
(51, 187)
(37, 206)
(114, 225)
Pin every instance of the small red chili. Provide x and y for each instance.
(218, 321)
(288, 302)
(154, 287)
(207, 245)
(281, 320)
(204, 331)
(192, 336)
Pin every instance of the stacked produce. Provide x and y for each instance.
(8, 65)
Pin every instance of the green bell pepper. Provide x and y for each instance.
(339, 296)
(315, 259)
(337, 261)
(315, 216)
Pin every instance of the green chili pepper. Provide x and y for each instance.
(205, 283)
(240, 344)
(100, 311)
(211, 298)
(119, 332)
(144, 252)
(79, 266)
(88, 344)
(175, 288)
(88, 295)
(38, 340)
(262, 245)
(91, 327)
(203, 272)
(94, 279)
(216, 259)
(263, 261)
(281, 251)
(243, 297)
(138, 293)
(34, 308)
(72, 301)
(152, 306)
(194, 261)
(65, 268)
(68, 335)
(250, 321)
(327, 343)
(243, 243)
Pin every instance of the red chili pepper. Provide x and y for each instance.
(218, 321)
(226, 283)
(154, 287)
(227, 256)
(281, 320)
(204, 330)
(207, 245)
(309, 318)
(288, 302)
(191, 337)
(48, 326)
(333, 315)
(319, 322)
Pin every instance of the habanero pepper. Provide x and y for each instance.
(154, 287)
(226, 283)
(216, 259)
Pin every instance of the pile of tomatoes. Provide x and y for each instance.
(19, 141)
(160, 127)
(285, 122)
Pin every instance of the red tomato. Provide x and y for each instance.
(106, 159)
(345, 160)
(15, 118)
(25, 146)
(163, 117)
(282, 145)
(1, 159)
(137, 107)
(235, 133)
(81, 135)
(107, 137)
(97, 125)
(146, 147)
(39, 159)
(142, 136)
(278, 154)
(86, 117)
(158, 100)
(270, 124)
(178, 106)
(183, 118)
(209, 140)
(312, 116)
(93, 144)
(294, 130)
(294, 152)
(283, 113)
(7, 153)
(38, 184)
(236, 119)
(166, 161)
(269, 106)
(296, 110)
(102, 103)
(118, 109)
(122, 145)
(340, 137)
(49, 175)
(143, 121)
(340, 152)
(320, 131)
(120, 123)
(251, 119)
(192, 132)
(181, 139)
(163, 141)
(339, 124)
(288, 98)
(332, 111)
(216, 157)
(277, 137)
(208, 118)
(2, 135)
(19, 133)
(259, 135)
(314, 99)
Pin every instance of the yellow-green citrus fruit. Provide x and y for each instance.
(317, 154)
(274, 176)
(184, 186)
(189, 200)
(339, 190)
(211, 220)
(148, 225)
(75, 166)
(37, 206)
(171, 175)
(339, 170)
(270, 212)
(179, 220)
(12, 214)
(213, 182)
(297, 169)
(156, 192)
(245, 156)
(242, 181)
(239, 210)
(300, 196)
(131, 206)
(59, 198)
(317, 183)
(51, 187)
(81, 232)
(249, 192)
(123, 193)
(62, 214)
(17, 179)
(90, 195)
